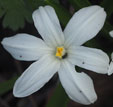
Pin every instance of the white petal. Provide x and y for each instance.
(110, 70)
(48, 26)
(89, 58)
(111, 33)
(25, 47)
(84, 25)
(36, 76)
(112, 56)
(78, 86)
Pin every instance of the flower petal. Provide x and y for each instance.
(111, 33)
(112, 56)
(48, 26)
(110, 70)
(89, 58)
(84, 25)
(78, 86)
(25, 47)
(36, 76)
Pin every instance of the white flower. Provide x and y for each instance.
(111, 33)
(60, 52)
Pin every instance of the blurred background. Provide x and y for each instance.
(16, 17)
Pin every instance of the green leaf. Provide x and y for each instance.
(62, 13)
(59, 99)
(7, 85)
(79, 3)
(13, 20)
(15, 14)
(2, 12)
(108, 6)
(34, 4)
(55, 1)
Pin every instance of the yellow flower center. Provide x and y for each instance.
(60, 51)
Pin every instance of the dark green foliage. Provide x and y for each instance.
(16, 12)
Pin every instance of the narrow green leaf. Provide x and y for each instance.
(62, 13)
(7, 85)
(59, 99)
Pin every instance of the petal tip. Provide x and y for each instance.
(16, 90)
(17, 94)
(101, 9)
(110, 72)
(3, 41)
(110, 68)
(112, 55)
(111, 33)
(93, 100)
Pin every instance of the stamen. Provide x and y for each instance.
(60, 52)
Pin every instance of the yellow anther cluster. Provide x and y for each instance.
(60, 52)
